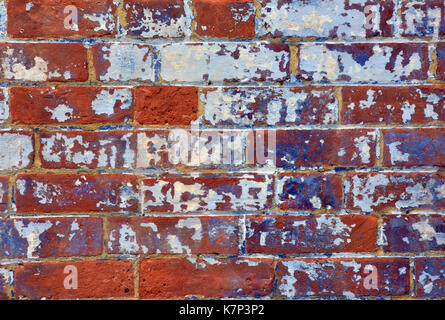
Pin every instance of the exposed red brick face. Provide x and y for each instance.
(94, 18)
(222, 149)
(166, 105)
(225, 18)
(207, 278)
(70, 105)
(43, 62)
(95, 279)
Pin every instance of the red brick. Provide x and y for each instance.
(4, 193)
(159, 235)
(210, 192)
(326, 233)
(70, 105)
(430, 277)
(156, 18)
(76, 193)
(226, 19)
(375, 104)
(166, 105)
(206, 277)
(96, 279)
(309, 191)
(43, 62)
(414, 232)
(422, 18)
(5, 279)
(414, 147)
(87, 149)
(259, 106)
(345, 277)
(50, 237)
(46, 18)
(335, 147)
(440, 53)
(386, 191)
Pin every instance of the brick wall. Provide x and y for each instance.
(351, 94)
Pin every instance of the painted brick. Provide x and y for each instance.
(5, 279)
(423, 18)
(4, 193)
(4, 105)
(43, 62)
(217, 192)
(414, 147)
(157, 19)
(96, 279)
(255, 106)
(326, 19)
(379, 191)
(225, 18)
(345, 277)
(440, 54)
(87, 149)
(414, 233)
(47, 18)
(309, 191)
(224, 62)
(206, 277)
(336, 147)
(297, 234)
(363, 62)
(17, 150)
(124, 62)
(430, 277)
(166, 105)
(171, 235)
(402, 104)
(153, 149)
(70, 105)
(50, 237)
(75, 193)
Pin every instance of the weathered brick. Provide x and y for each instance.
(124, 62)
(414, 147)
(440, 54)
(297, 234)
(347, 277)
(75, 105)
(363, 62)
(211, 192)
(308, 191)
(336, 147)
(4, 193)
(157, 18)
(326, 19)
(166, 105)
(96, 279)
(43, 62)
(166, 235)
(4, 105)
(16, 150)
(87, 149)
(379, 191)
(5, 279)
(50, 237)
(254, 106)
(422, 18)
(206, 277)
(224, 62)
(414, 233)
(402, 104)
(47, 18)
(74, 193)
(430, 277)
(153, 149)
(227, 19)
